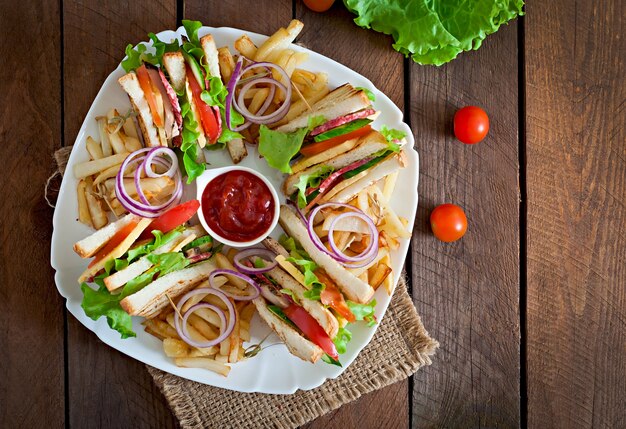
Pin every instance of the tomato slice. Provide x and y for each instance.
(311, 329)
(113, 242)
(319, 147)
(172, 218)
(332, 297)
(207, 115)
(144, 81)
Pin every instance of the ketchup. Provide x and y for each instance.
(238, 206)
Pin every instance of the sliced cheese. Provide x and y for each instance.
(291, 269)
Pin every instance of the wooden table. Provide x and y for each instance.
(530, 307)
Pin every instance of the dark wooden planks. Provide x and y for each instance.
(576, 116)
(259, 16)
(106, 388)
(31, 311)
(468, 292)
(335, 35)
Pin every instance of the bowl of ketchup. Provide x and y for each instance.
(238, 206)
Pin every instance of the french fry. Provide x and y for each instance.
(279, 40)
(231, 254)
(378, 274)
(203, 327)
(209, 316)
(106, 174)
(107, 150)
(258, 100)
(247, 312)
(161, 327)
(88, 168)
(130, 143)
(227, 63)
(149, 185)
(175, 348)
(382, 253)
(390, 184)
(83, 208)
(94, 148)
(388, 283)
(364, 276)
(98, 216)
(225, 347)
(245, 46)
(221, 358)
(194, 334)
(244, 331)
(117, 143)
(223, 262)
(233, 354)
(205, 363)
(130, 130)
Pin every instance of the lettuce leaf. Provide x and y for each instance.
(391, 134)
(278, 148)
(435, 32)
(363, 311)
(100, 302)
(137, 56)
(342, 339)
(189, 146)
(312, 180)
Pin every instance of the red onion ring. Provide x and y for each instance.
(257, 251)
(348, 261)
(239, 105)
(230, 88)
(143, 207)
(369, 253)
(245, 278)
(224, 332)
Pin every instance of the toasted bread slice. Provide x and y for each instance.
(88, 246)
(324, 317)
(120, 278)
(296, 343)
(118, 251)
(174, 63)
(390, 165)
(150, 300)
(211, 55)
(352, 287)
(367, 146)
(130, 84)
(341, 101)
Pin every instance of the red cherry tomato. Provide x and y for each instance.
(448, 222)
(319, 5)
(471, 124)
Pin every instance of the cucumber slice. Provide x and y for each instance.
(195, 69)
(342, 129)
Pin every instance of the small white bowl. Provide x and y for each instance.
(203, 180)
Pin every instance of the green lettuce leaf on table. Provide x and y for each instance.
(435, 32)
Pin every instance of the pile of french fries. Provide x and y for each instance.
(308, 87)
(352, 237)
(204, 325)
(96, 186)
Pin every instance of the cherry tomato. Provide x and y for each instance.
(448, 222)
(471, 124)
(319, 5)
(172, 218)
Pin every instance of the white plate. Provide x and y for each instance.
(274, 370)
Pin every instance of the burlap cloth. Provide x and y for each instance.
(399, 348)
